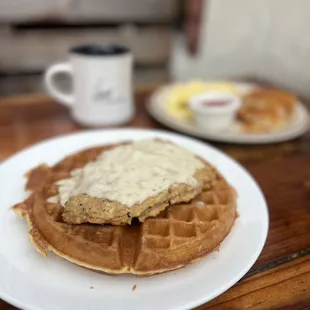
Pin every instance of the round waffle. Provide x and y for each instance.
(179, 235)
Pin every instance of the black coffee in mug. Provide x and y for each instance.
(100, 50)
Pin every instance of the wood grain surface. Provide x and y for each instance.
(280, 279)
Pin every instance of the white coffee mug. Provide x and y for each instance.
(102, 84)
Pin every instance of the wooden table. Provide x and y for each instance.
(280, 279)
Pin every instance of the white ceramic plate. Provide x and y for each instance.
(31, 281)
(297, 127)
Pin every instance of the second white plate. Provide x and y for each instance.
(298, 126)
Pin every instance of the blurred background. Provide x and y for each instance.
(264, 40)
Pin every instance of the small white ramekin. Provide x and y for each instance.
(214, 117)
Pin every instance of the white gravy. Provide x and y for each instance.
(132, 173)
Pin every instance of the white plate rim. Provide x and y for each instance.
(202, 300)
(289, 133)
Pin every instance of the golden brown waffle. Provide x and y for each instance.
(179, 235)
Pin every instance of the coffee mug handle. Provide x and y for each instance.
(49, 81)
